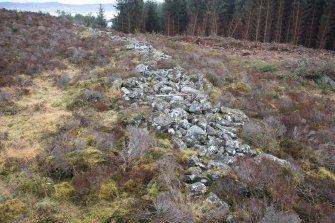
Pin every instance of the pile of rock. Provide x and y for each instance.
(186, 114)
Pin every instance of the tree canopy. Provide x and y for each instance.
(302, 22)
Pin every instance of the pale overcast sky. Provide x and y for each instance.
(70, 2)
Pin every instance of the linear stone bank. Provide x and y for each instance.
(186, 114)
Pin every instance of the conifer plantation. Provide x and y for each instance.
(310, 23)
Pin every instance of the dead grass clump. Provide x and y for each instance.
(278, 128)
(139, 141)
(3, 136)
(8, 108)
(218, 80)
(87, 183)
(260, 134)
(291, 120)
(5, 96)
(91, 95)
(285, 104)
(166, 64)
(57, 163)
(267, 179)
(62, 81)
(166, 210)
(327, 156)
(86, 97)
(77, 55)
(231, 190)
(274, 216)
(227, 99)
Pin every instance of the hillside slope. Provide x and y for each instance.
(89, 131)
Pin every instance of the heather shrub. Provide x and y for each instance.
(260, 134)
(166, 210)
(62, 81)
(262, 66)
(77, 55)
(231, 190)
(278, 128)
(274, 216)
(218, 80)
(4, 96)
(86, 97)
(166, 64)
(139, 142)
(327, 156)
(86, 184)
(3, 136)
(32, 184)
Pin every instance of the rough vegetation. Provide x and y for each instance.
(87, 139)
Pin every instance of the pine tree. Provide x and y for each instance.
(101, 19)
(152, 19)
(327, 25)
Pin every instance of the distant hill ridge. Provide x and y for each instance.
(52, 7)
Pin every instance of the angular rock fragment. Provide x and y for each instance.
(198, 189)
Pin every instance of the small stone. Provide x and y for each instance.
(244, 148)
(196, 132)
(193, 161)
(198, 189)
(189, 90)
(125, 91)
(212, 150)
(214, 174)
(179, 143)
(171, 131)
(166, 89)
(211, 131)
(231, 146)
(196, 107)
(178, 113)
(141, 68)
(185, 124)
(135, 120)
(207, 106)
(202, 150)
(218, 165)
(159, 105)
(162, 122)
(213, 199)
(196, 175)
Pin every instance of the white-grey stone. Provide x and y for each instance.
(141, 68)
(212, 150)
(162, 122)
(189, 90)
(198, 189)
(196, 131)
